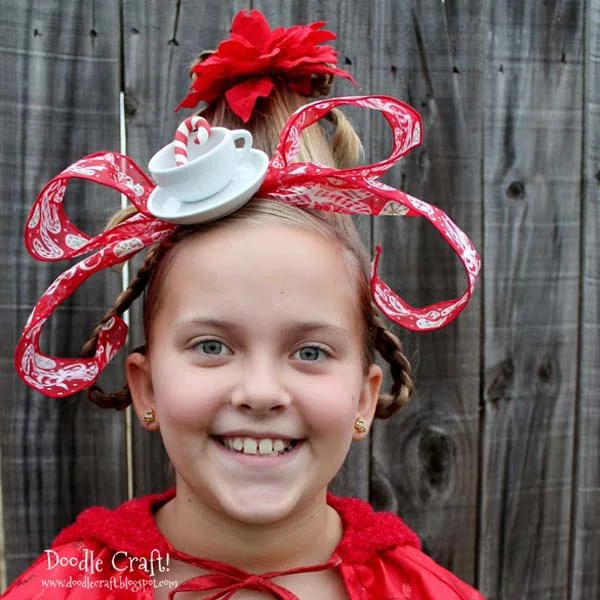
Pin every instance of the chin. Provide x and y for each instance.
(261, 507)
(261, 516)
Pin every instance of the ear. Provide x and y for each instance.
(368, 398)
(139, 381)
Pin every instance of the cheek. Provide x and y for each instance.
(332, 401)
(182, 400)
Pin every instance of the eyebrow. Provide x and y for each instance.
(293, 328)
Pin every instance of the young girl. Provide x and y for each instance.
(261, 331)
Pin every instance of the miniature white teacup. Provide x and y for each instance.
(210, 168)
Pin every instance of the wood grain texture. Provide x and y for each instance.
(585, 533)
(533, 144)
(161, 39)
(429, 54)
(509, 96)
(58, 457)
(350, 21)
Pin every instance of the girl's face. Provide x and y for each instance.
(256, 346)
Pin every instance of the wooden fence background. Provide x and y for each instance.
(497, 461)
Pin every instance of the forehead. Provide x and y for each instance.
(268, 272)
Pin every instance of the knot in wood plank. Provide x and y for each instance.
(516, 190)
(501, 377)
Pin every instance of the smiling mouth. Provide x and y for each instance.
(257, 447)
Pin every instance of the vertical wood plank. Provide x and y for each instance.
(430, 54)
(350, 21)
(532, 192)
(3, 574)
(60, 74)
(161, 39)
(585, 560)
(57, 457)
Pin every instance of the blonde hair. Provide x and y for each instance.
(339, 148)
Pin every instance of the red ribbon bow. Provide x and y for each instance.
(51, 236)
(228, 580)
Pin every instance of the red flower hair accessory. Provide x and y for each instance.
(51, 236)
(249, 64)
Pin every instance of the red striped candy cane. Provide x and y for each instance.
(182, 136)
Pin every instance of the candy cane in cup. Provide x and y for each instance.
(182, 137)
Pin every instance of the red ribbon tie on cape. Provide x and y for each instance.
(229, 580)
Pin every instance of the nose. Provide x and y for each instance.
(260, 388)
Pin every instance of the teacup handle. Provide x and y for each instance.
(242, 134)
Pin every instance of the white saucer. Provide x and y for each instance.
(247, 178)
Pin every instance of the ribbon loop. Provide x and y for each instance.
(59, 377)
(404, 120)
(51, 236)
(358, 191)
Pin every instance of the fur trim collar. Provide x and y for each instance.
(131, 527)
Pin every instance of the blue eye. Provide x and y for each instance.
(211, 347)
(312, 353)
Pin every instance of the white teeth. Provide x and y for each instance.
(250, 446)
(264, 446)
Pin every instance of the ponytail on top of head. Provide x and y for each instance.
(341, 149)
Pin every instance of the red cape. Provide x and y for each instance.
(113, 554)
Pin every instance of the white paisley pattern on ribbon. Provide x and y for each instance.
(50, 235)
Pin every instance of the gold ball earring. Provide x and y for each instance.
(360, 426)
(149, 417)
